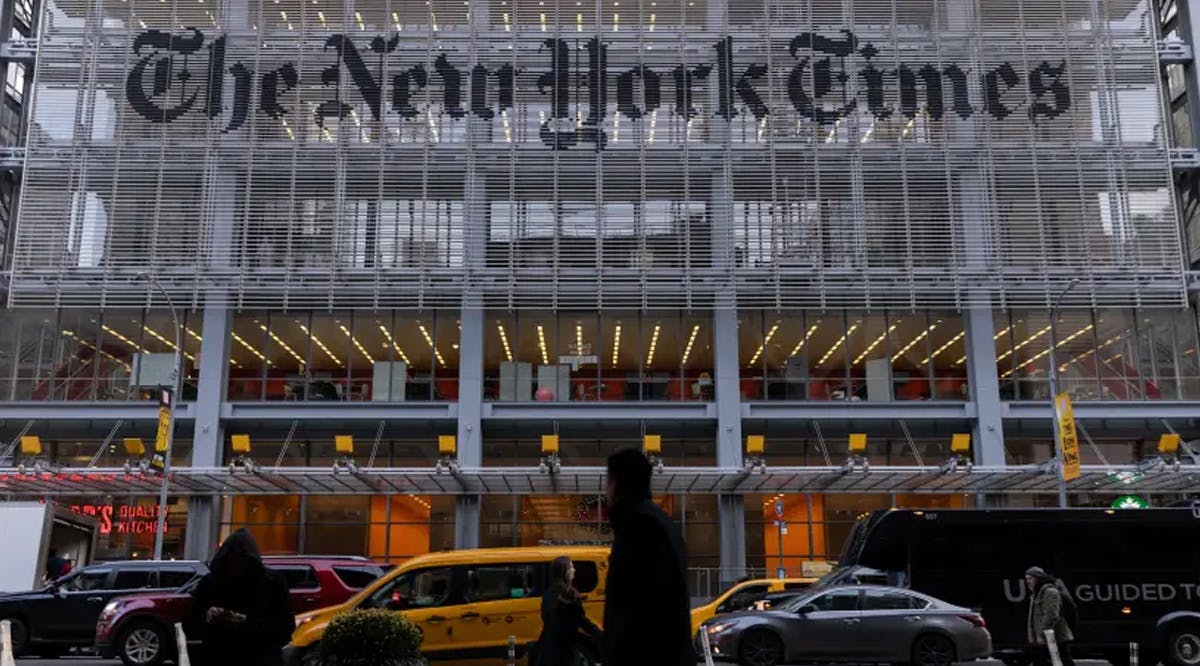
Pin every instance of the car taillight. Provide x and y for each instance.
(976, 620)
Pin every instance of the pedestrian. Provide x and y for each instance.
(241, 608)
(1049, 607)
(567, 633)
(647, 619)
(57, 567)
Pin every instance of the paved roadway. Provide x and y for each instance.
(85, 661)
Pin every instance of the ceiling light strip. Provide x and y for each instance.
(392, 344)
(875, 344)
(429, 339)
(616, 344)
(800, 345)
(356, 343)
(766, 341)
(504, 341)
(1062, 342)
(321, 345)
(687, 351)
(1027, 341)
(899, 355)
(653, 344)
(542, 344)
(837, 344)
(284, 345)
(944, 347)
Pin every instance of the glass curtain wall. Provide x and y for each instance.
(879, 356)
(389, 356)
(1101, 354)
(94, 355)
(606, 356)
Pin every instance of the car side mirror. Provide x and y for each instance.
(806, 609)
(57, 591)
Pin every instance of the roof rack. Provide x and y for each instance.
(355, 558)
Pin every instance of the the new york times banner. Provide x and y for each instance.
(1013, 148)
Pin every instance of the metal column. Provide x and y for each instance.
(208, 439)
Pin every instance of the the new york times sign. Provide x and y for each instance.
(188, 72)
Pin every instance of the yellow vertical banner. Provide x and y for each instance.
(158, 461)
(1067, 437)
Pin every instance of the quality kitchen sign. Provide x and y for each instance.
(183, 73)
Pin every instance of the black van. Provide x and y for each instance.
(1135, 573)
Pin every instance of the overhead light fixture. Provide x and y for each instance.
(392, 343)
(321, 345)
(578, 338)
(1028, 340)
(85, 343)
(122, 338)
(429, 339)
(237, 338)
(944, 347)
(357, 345)
(653, 345)
(766, 341)
(616, 344)
(917, 339)
(687, 351)
(875, 344)
(1107, 343)
(542, 345)
(284, 345)
(995, 338)
(504, 341)
(837, 344)
(1060, 343)
(155, 334)
(800, 345)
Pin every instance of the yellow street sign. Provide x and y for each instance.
(164, 426)
(1067, 437)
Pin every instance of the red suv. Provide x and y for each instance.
(139, 629)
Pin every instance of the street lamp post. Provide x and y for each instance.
(1058, 449)
(176, 375)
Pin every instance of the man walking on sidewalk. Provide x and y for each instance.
(647, 619)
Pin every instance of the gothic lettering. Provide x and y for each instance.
(164, 73)
(160, 85)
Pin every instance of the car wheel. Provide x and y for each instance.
(760, 648)
(19, 633)
(143, 644)
(1183, 647)
(933, 650)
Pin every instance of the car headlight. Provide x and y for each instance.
(110, 610)
(719, 628)
(302, 620)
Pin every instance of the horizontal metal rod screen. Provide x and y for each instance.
(612, 153)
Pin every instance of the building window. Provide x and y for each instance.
(349, 356)
(852, 356)
(1101, 355)
(610, 356)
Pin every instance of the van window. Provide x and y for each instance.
(424, 588)
(169, 579)
(493, 582)
(357, 577)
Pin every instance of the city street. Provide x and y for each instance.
(101, 662)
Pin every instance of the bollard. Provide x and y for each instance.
(1052, 646)
(6, 650)
(708, 658)
(182, 646)
(1133, 654)
(512, 651)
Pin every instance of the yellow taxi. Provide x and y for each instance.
(466, 602)
(744, 596)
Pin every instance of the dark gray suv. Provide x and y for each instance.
(62, 615)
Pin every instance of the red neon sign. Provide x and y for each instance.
(122, 518)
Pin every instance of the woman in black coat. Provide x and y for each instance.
(242, 609)
(567, 633)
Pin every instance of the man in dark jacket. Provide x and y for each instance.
(647, 611)
(241, 609)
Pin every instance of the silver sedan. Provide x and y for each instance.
(859, 624)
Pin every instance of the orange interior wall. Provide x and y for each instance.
(796, 541)
(272, 521)
(408, 533)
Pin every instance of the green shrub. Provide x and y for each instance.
(371, 638)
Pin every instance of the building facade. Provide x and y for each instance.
(497, 220)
